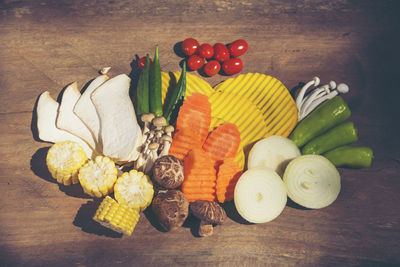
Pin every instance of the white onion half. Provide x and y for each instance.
(260, 195)
(274, 152)
(312, 181)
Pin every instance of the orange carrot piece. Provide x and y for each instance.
(195, 113)
(200, 176)
(184, 140)
(223, 142)
(228, 174)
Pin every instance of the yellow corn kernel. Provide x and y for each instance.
(117, 217)
(64, 159)
(98, 176)
(134, 189)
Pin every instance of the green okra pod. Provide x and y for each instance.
(155, 97)
(175, 98)
(142, 90)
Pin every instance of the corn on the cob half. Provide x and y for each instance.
(98, 177)
(64, 159)
(134, 189)
(117, 217)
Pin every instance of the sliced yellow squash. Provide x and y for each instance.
(277, 106)
(230, 107)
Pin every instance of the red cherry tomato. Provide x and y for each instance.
(221, 52)
(142, 62)
(190, 46)
(195, 62)
(238, 47)
(232, 66)
(212, 67)
(206, 51)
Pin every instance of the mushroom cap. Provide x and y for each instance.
(159, 121)
(147, 117)
(171, 208)
(169, 129)
(208, 211)
(168, 171)
(166, 138)
(154, 146)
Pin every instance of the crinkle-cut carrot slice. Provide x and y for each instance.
(223, 142)
(200, 183)
(193, 198)
(197, 117)
(198, 170)
(184, 140)
(197, 190)
(228, 174)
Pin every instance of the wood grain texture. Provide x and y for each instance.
(47, 44)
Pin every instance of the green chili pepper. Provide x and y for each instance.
(175, 98)
(155, 98)
(142, 90)
(326, 116)
(343, 134)
(350, 156)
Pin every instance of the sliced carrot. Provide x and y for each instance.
(184, 140)
(200, 176)
(195, 113)
(193, 197)
(228, 174)
(223, 142)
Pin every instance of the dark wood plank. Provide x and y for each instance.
(48, 44)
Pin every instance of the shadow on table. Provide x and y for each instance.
(84, 220)
(39, 168)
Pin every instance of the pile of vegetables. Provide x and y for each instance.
(183, 147)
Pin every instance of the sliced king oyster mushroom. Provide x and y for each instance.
(85, 109)
(120, 134)
(68, 121)
(46, 110)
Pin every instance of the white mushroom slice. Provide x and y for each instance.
(85, 109)
(46, 110)
(119, 130)
(68, 121)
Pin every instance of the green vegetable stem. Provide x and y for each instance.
(343, 134)
(174, 99)
(142, 90)
(326, 116)
(155, 98)
(350, 156)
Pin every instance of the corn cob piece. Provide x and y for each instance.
(64, 159)
(117, 217)
(98, 176)
(134, 189)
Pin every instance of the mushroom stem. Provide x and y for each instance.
(152, 157)
(317, 93)
(166, 143)
(315, 81)
(205, 229)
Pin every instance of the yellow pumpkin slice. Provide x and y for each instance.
(193, 84)
(277, 106)
(229, 107)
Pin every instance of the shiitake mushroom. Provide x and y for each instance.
(171, 208)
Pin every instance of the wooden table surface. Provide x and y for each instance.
(47, 44)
